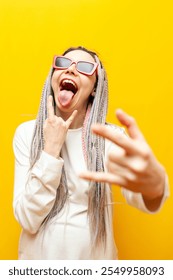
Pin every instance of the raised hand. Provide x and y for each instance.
(55, 130)
(132, 164)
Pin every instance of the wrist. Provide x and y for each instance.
(160, 187)
(52, 151)
(157, 189)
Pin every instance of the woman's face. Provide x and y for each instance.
(64, 80)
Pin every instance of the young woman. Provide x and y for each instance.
(63, 171)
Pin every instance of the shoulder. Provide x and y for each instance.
(26, 127)
(24, 131)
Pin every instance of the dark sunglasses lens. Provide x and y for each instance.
(85, 67)
(62, 62)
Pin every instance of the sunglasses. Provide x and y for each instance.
(83, 67)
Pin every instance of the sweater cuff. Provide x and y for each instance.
(136, 199)
(141, 202)
(164, 197)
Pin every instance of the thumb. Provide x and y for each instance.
(130, 123)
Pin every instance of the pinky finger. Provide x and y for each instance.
(71, 118)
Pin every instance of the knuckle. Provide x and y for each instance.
(146, 153)
(112, 156)
(131, 177)
(109, 156)
(63, 125)
(141, 168)
(59, 119)
(119, 137)
(143, 150)
(138, 166)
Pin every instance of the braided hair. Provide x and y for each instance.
(93, 149)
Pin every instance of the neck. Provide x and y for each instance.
(77, 122)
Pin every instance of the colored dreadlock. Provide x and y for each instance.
(93, 149)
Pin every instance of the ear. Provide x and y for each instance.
(93, 92)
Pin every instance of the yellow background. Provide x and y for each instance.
(135, 42)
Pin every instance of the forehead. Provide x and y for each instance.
(80, 55)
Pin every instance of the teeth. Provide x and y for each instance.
(69, 82)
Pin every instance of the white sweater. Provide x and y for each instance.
(67, 235)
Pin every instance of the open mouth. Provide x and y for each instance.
(68, 89)
(68, 85)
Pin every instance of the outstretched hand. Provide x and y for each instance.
(55, 130)
(133, 165)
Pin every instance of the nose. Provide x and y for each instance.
(72, 69)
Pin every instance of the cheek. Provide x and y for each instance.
(89, 83)
(55, 79)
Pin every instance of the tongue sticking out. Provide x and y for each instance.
(65, 97)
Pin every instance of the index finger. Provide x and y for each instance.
(117, 138)
(50, 109)
(130, 123)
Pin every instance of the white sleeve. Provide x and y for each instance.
(34, 190)
(136, 199)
